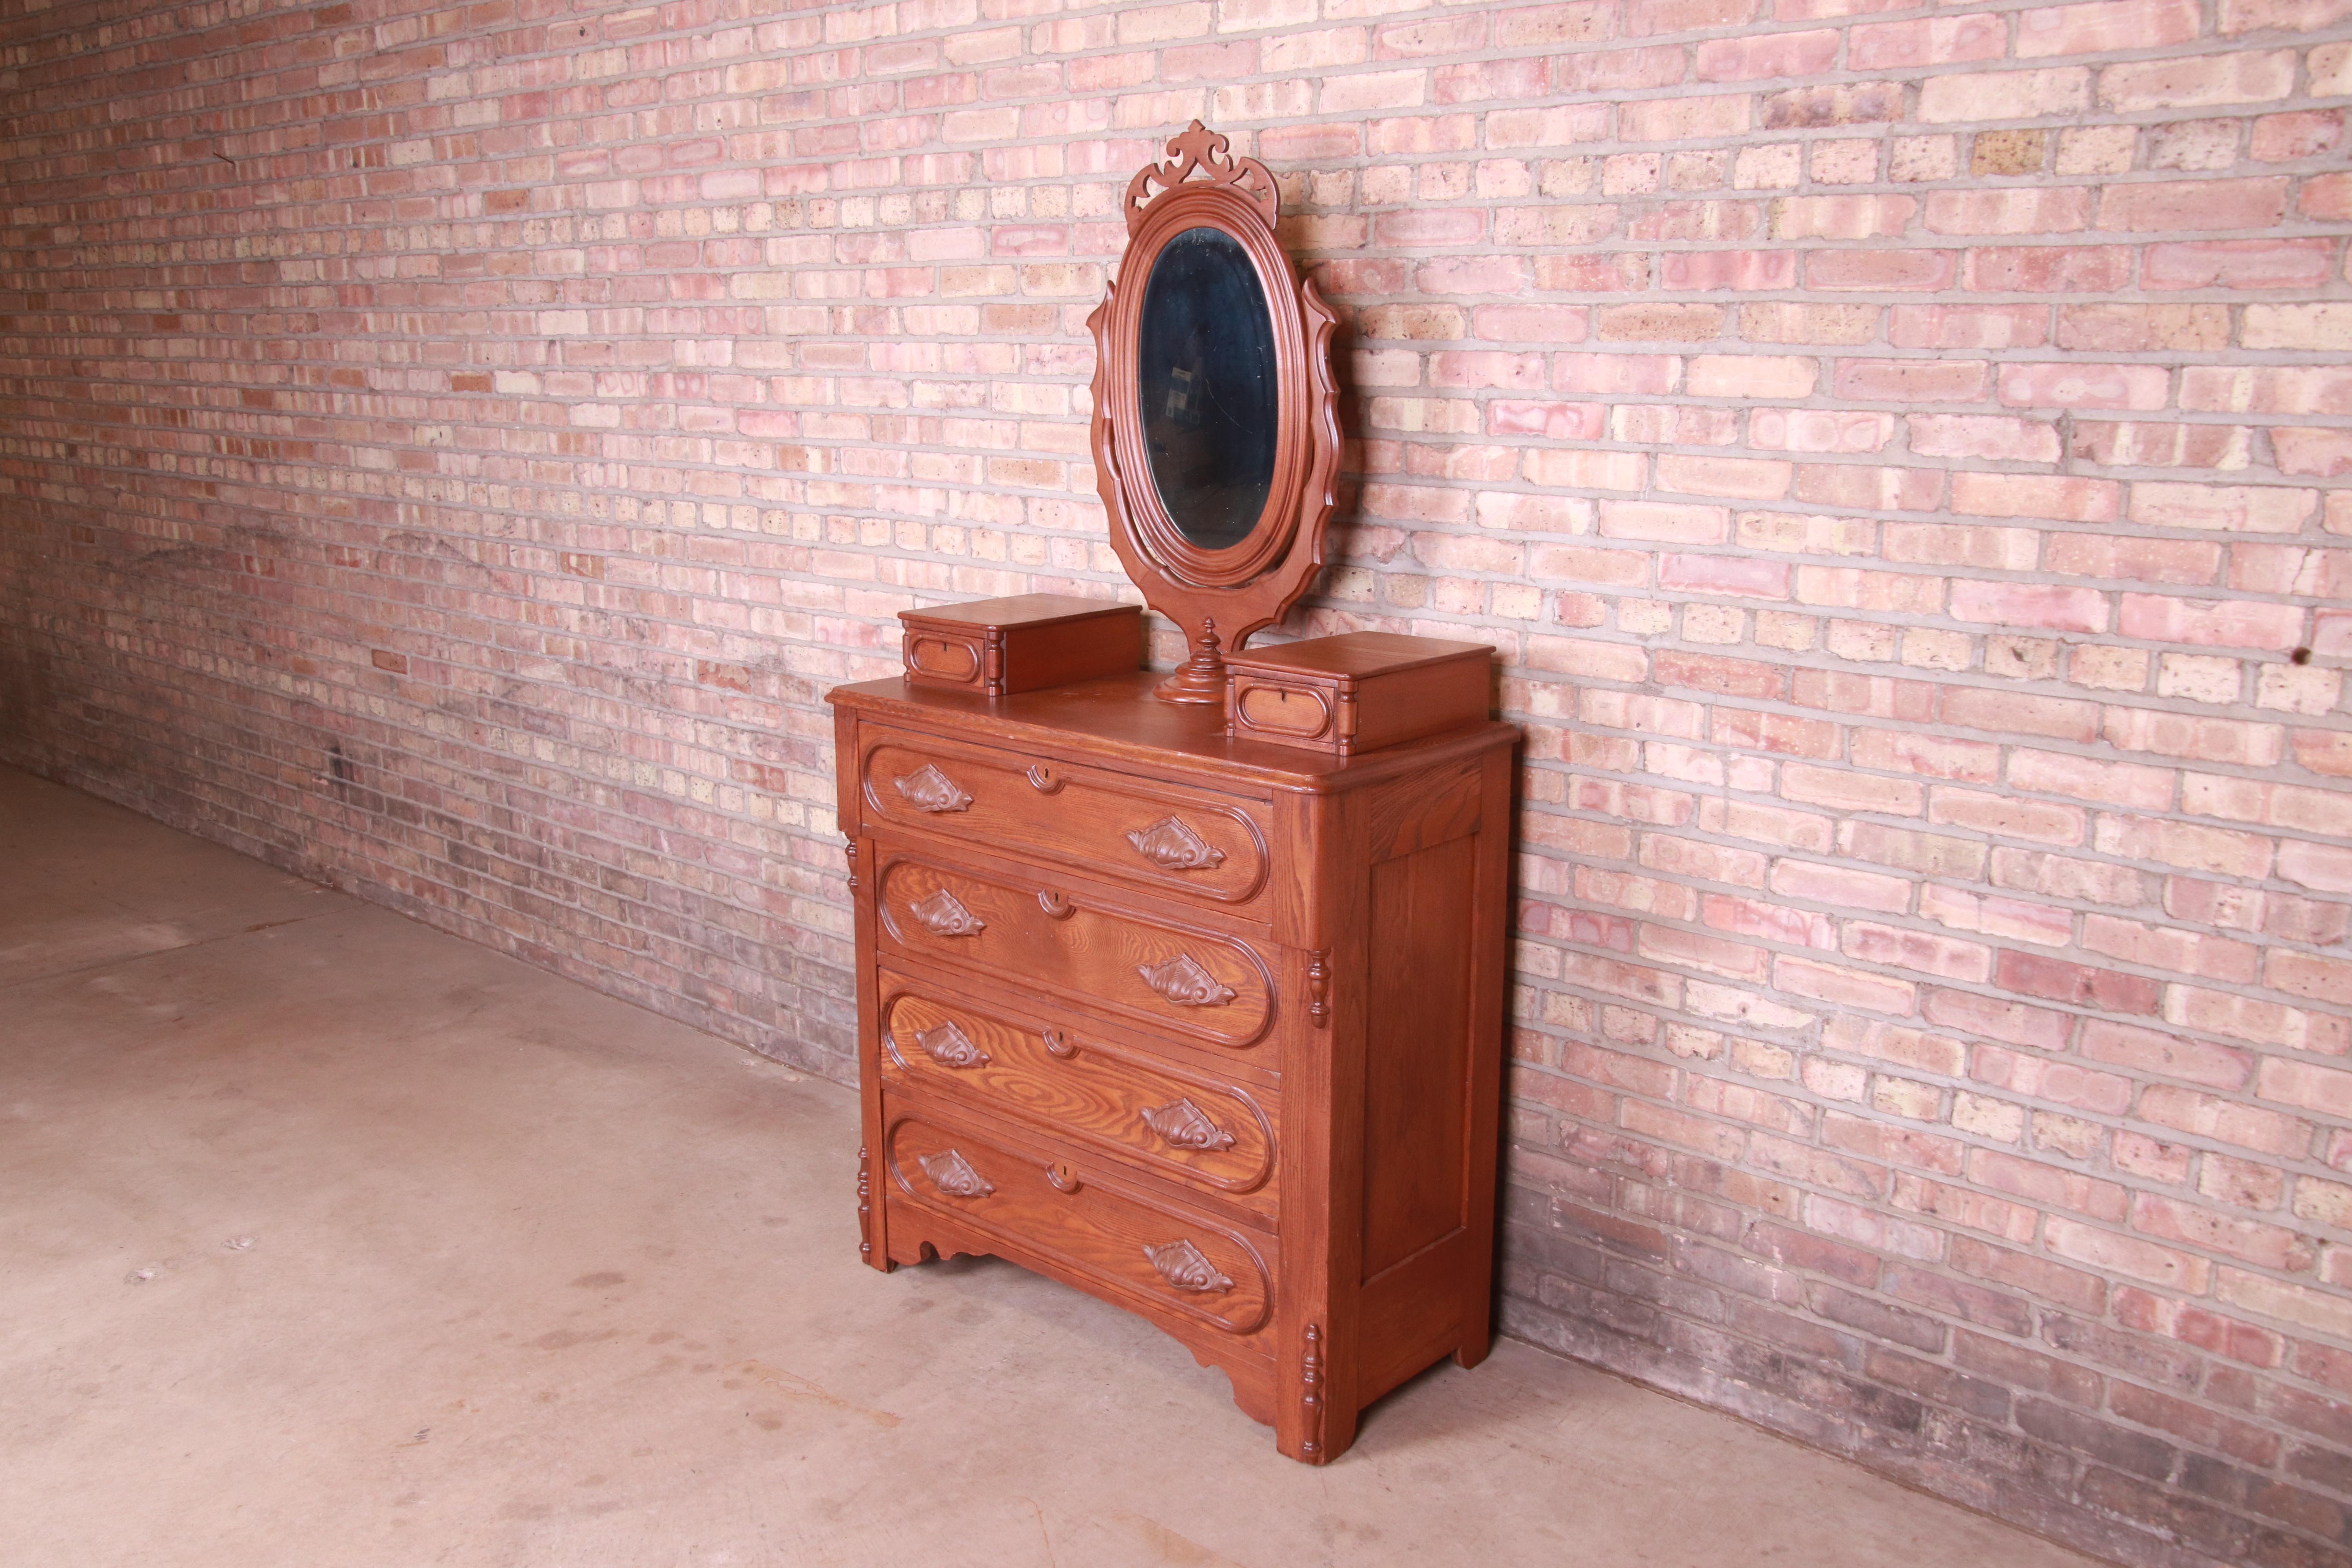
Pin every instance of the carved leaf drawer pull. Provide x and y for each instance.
(953, 1174)
(949, 1047)
(1182, 1264)
(1173, 846)
(942, 915)
(927, 789)
(1187, 1126)
(1185, 983)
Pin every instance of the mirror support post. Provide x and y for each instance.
(1202, 678)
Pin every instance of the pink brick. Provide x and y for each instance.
(2013, 1022)
(1682, 119)
(1842, 217)
(1749, 479)
(1768, 55)
(2224, 623)
(1432, 226)
(1731, 575)
(2036, 495)
(1841, 886)
(2328, 197)
(2268, 1246)
(2105, 26)
(1911, 380)
(2081, 386)
(2140, 560)
(1650, 18)
(2035, 210)
(2167, 1055)
(2191, 81)
(2225, 1120)
(1968, 326)
(2005, 95)
(2241, 508)
(2286, 138)
(2309, 453)
(2185, 845)
(2030, 604)
(2022, 716)
(1703, 271)
(1880, 271)
(2125, 1254)
(2238, 264)
(1929, 41)
(2194, 204)
(2000, 438)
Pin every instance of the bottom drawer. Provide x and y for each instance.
(1131, 1244)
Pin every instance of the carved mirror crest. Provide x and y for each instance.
(1216, 431)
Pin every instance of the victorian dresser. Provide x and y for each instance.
(1207, 1025)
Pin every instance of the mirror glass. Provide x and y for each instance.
(1206, 381)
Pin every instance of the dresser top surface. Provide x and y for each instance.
(1116, 717)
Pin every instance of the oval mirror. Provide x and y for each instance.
(1206, 387)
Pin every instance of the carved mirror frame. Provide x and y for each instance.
(1217, 596)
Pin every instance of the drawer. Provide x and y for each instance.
(1185, 1126)
(1150, 1252)
(1117, 961)
(1195, 845)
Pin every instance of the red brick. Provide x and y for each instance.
(2107, 990)
(2013, 1022)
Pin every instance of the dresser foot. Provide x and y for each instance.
(1470, 1355)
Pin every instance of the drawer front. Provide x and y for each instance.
(1195, 845)
(1200, 985)
(1135, 1245)
(1178, 1124)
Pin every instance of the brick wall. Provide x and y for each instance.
(1897, 450)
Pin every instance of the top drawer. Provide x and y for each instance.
(1203, 847)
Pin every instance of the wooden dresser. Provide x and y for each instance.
(1209, 1027)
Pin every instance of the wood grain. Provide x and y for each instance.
(1077, 816)
(1095, 958)
(1094, 1098)
(1102, 1229)
(1416, 1053)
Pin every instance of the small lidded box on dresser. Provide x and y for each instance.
(998, 647)
(1356, 692)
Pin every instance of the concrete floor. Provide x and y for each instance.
(329, 1240)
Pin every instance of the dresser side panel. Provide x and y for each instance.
(1417, 1052)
